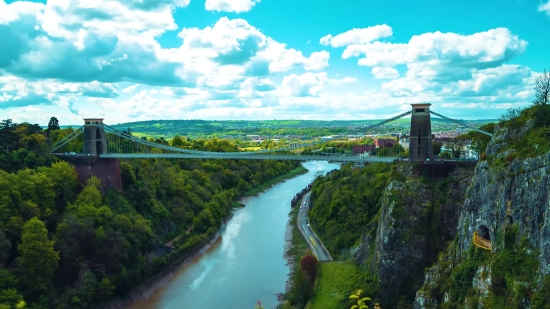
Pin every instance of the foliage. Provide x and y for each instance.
(478, 141)
(53, 124)
(436, 148)
(522, 142)
(344, 202)
(336, 281)
(309, 264)
(302, 289)
(513, 278)
(259, 305)
(37, 260)
(360, 300)
(291, 129)
(62, 242)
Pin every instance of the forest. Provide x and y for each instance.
(68, 245)
(344, 202)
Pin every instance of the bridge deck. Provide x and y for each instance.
(247, 157)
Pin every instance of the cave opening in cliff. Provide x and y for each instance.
(483, 232)
(510, 220)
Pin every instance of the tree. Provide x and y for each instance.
(7, 128)
(479, 141)
(456, 146)
(542, 89)
(38, 260)
(309, 265)
(436, 148)
(53, 124)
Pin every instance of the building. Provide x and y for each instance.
(384, 142)
(363, 149)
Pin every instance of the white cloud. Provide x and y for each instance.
(357, 36)
(73, 58)
(309, 84)
(345, 80)
(130, 89)
(237, 6)
(384, 72)
(544, 7)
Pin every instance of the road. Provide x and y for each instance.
(309, 235)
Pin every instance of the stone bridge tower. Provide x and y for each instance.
(89, 163)
(94, 142)
(420, 141)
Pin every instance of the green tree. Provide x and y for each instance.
(7, 128)
(436, 148)
(53, 124)
(38, 260)
(11, 299)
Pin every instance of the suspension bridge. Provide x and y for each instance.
(100, 140)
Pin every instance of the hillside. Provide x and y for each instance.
(313, 128)
(416, 249)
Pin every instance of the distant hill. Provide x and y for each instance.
(221, 128)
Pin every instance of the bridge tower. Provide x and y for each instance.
(420, 140)
(94, 142)
(89, 163)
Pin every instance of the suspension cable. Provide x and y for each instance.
(462, 124)
(75, 136)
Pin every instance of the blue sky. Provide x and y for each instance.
(131, 60)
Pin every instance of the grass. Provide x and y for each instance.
(299, 246)
(335, 283)
(268, 184)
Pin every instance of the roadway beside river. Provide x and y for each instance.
(313, 241)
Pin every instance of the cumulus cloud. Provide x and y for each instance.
(438, 62)
(309, 84)
(224, 54)
(109, 42)
(544, 7)
(384, 72)
(236, 6)
(77, 56)
(357, 36)
(85, 41)
(17, 92)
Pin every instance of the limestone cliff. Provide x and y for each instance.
(418, 216)
(507, 203)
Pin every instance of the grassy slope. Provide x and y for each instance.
(335, 283)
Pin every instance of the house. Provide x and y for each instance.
(363, 148)
(384, 142)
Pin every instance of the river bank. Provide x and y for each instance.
(295, 248)
(147, 289)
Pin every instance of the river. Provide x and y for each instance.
(246, 262)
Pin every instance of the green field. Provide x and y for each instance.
(335, 283)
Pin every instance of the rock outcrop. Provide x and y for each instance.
(416, 220)
(505, 193)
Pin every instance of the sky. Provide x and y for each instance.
(133, 60)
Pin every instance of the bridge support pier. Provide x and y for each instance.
(106, 170)
(439, 169)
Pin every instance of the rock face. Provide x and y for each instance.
(416, 219)
(504, 192)
(516, 195)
